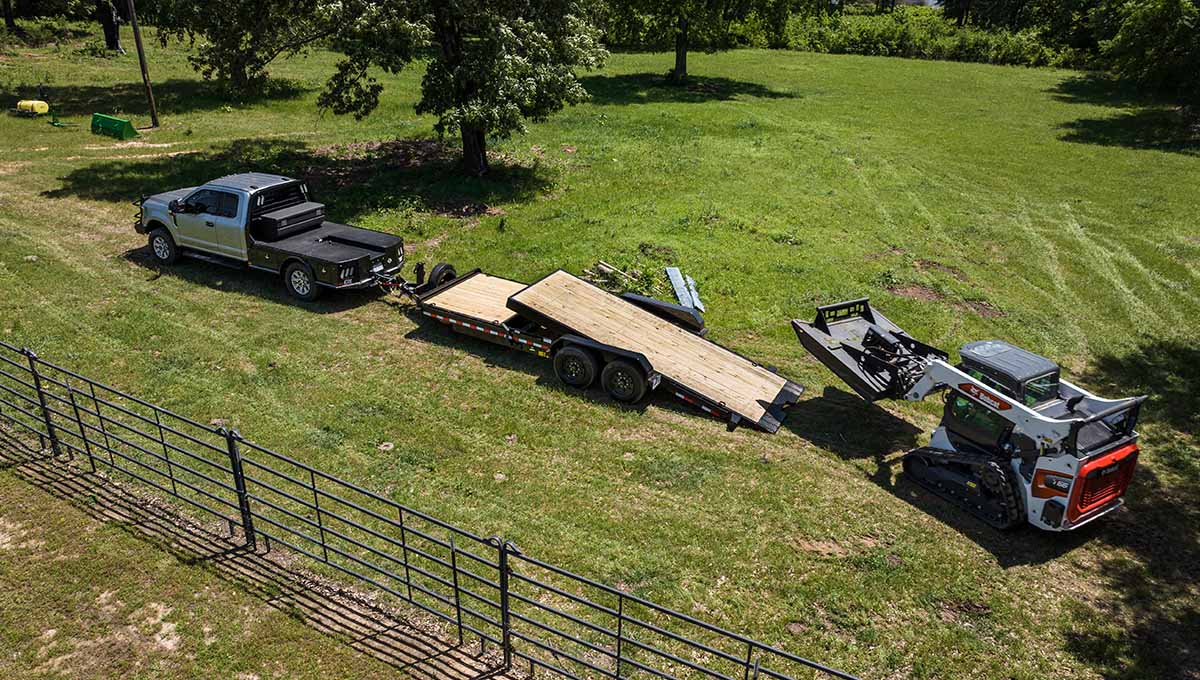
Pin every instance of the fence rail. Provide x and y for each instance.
(485, 587)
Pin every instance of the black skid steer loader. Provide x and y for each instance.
(1016, 443)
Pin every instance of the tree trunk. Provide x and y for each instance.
(9, 22)
(107, 15)
(474, 143)
(681, 46)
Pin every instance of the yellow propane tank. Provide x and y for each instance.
(33, 107)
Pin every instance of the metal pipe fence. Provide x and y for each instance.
(532, 612)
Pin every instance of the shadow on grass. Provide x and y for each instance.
(172, 97)
(650, 88)
(246, 281)
(1141, 124)
(1157, 569)
(433, 332)
(387, 635)
(349, 179)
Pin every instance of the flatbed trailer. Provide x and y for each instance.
(633, 344)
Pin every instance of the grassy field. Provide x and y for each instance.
(967, 201)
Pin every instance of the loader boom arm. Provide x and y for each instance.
(940, 375)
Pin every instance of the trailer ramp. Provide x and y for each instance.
(741, 386)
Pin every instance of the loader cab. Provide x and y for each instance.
(1019, 374)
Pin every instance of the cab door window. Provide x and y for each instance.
(975, 422)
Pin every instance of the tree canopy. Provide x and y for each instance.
(490, 64)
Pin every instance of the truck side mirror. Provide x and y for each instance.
(175, 206)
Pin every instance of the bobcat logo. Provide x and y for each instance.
(987, 398)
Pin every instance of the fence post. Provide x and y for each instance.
(505, 619)
(239, 482)
(457, 595)
(37, 385)
(620, 629)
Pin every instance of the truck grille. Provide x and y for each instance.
(1103, 480)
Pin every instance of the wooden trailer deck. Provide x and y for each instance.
(697, 364)
(479, 295)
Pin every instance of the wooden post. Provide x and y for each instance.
(137, 40)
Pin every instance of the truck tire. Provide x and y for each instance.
(623, 381)
(300, 283)
(442, 274)
(575, 366)
(162, 247)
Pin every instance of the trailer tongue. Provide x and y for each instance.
(1016, 443)
(630, 344)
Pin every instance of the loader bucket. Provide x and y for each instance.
(872, 355)
(112, 126)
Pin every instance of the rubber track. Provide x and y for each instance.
(1012, 514)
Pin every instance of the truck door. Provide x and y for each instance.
(189, 223)
(230, 221)
(210, 215)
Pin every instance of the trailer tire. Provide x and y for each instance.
(163, 247)
(442, 274)
(300, 283)
(623, 381)
(575, 366)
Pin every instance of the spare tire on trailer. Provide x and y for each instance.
(442, 274)
(575, 366)
(623, 381)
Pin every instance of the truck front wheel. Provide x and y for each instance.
(163, 247)
(300, 282)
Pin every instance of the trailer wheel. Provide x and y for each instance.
(575, 366)
(623, 381)
(163, 247)
(441, 274)
(300, 283)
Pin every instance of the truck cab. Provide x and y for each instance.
(267, 222)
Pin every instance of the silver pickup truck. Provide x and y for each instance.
(267, 222)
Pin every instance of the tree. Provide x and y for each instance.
(493, 63)
(10, 23)
(490, 64)
(235, 44)
(1157, 48)
(695, 21)
(110, 23)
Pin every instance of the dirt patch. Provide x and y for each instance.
(11, 168)
(14, 536)
(916, 291)
(930, 265)
(981, 307)
(958, 610)
(823, 548)
(1192, 239)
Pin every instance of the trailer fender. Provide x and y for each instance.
(608, 353)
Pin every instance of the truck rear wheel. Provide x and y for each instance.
(163, 247)
(300, 282)
(575, 366)
(623, 381)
